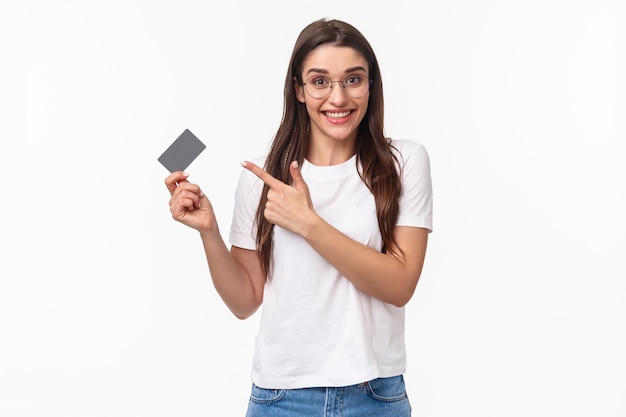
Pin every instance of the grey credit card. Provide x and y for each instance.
(182, 152)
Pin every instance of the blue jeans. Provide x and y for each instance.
(381, 397)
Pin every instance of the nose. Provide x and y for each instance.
(337, 92)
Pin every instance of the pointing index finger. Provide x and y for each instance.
(262, 174)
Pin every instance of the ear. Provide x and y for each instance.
(299, 89)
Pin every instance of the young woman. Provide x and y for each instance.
(329, 232)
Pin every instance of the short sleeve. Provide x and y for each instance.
(416, 199)
(247, 196)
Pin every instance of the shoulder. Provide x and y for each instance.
(248, 182)
(258, 160)
(406, 150)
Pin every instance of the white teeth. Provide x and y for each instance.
(337, 115)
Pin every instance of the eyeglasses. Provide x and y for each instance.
(319, 86)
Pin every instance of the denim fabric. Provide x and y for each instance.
(381, 397)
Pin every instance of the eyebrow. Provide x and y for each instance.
(348, 70)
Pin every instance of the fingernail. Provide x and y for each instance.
(201, 193)
(295, 164)
(244, 164)
(186, 174)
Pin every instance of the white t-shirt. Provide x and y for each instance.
(317, 329)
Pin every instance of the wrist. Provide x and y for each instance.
(209, 233)
(313, 225)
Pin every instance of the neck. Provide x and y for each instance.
(330, 152)
(328, 157)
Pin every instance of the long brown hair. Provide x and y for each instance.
(373, 149)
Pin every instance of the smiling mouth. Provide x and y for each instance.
(337, 115)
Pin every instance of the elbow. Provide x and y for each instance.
(242, 315)
(244, 312)
(244, 307)
(400, 304)
(403, 296)
(401, 300)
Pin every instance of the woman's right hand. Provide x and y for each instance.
(188, 203)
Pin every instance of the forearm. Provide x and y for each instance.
(231, 280)
(389, 278)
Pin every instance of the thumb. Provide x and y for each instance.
(298, 181)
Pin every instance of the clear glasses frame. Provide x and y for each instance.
(325, 90)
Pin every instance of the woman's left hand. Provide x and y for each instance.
(288, 206)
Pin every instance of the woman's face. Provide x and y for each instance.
(335, 117)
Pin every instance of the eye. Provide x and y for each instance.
(319, 82)
(353, 80)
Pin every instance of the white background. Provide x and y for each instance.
(106, 305)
